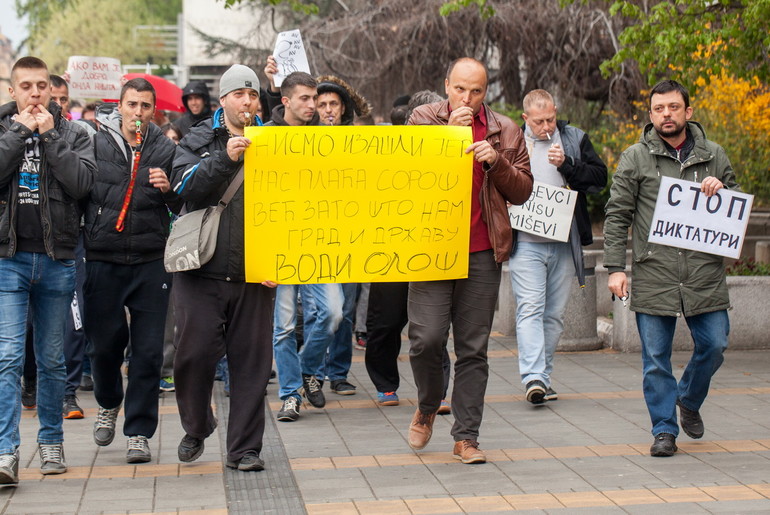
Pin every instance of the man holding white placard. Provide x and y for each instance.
(669, 282)
(541, 267)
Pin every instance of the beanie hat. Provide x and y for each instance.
(238, 77)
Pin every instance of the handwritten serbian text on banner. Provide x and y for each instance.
(357, 204)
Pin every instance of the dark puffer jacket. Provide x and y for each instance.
(147, 219)
(187, 120)
(67, 172)
(202, 173)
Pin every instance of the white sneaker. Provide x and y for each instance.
(9, 469)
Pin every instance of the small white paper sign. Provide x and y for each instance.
(94, 77)
(685, 218)
(289, 55)
(547, 213)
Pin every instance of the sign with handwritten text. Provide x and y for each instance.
(289, 54)
(94, 77)
(357, 204)
(547, 212)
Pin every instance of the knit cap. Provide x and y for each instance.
(238, 77)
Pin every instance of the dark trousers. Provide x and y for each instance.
(468, 305)
(143, 289)
(75, 336)
(216, 318)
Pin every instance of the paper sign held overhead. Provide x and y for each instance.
(357, 204)
(686, 218)
(547, 212)
(289, 55)
(94, 77)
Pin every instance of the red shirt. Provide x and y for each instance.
(479, 231)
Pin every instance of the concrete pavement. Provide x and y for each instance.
(585, 453)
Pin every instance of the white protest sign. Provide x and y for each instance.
(289, 55)
(685, 218)
(94, 77)
(547, 213)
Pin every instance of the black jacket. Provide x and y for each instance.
(201, 173)
(67, 173)
(187, 120)
(148, 219)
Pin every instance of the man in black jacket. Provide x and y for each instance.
(46, 166)
(197, 101)
(217, 312)
(127, 223)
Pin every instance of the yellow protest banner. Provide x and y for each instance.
(357, 204)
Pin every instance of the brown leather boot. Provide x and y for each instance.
(468, 451)
(421, 429)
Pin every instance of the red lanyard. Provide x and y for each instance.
(119, 225)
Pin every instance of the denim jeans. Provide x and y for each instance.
(322, 309)
(340, 353)
(33, 285)
(541, 275)
(709, 333)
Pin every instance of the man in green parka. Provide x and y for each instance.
(669, 282)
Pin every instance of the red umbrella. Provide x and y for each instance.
(168, 96)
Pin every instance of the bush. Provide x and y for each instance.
(748, 266)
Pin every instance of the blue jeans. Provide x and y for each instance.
(709, 333)
(322, 309)
(340, 354)
(33, 285)
(541, 275)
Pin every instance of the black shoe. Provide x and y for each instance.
(290, 409)
(29, 393)
(249, 462)
(190, 448)
(71, 409)
(550, 394)
(312, 391)
(342, 387)
(87, 383)
(536, 392)
(691, 422)
(664, 445)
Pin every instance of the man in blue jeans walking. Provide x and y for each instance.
(542, 269)
(46, 166)
(668, 282)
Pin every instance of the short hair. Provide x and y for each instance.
(91, 106)
(58, 82)
(28, 63)
(138, 84)
(295, 79)
(538, 98)
(423, 97)
(398, 115)
(667, 86)
(466, 59)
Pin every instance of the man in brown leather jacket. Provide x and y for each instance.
(500, 174)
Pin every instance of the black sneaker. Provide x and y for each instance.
(290, 410)
(691, 421)
(87, 383)
(342, 387)
(190, 448)
(536, 392)
(249, 462)
(29, 393)
(550, 394)
(71, 410)
(312, 391)
(664, 445)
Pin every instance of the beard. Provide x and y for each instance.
(671, 131)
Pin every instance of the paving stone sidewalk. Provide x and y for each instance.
(584, 453)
